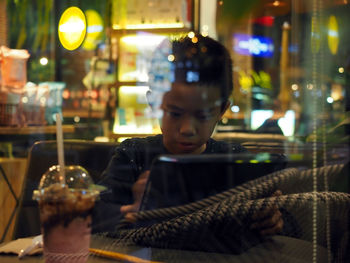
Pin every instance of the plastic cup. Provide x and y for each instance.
(14, 66)
(65, 214)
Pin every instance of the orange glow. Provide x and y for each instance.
(94, 94)
(66, 94)
(194, 40)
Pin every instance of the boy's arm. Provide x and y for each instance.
(269, 221)
(118, 178)
(138, 190)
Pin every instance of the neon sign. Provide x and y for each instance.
(253, 45)
(72, 28)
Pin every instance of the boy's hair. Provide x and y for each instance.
(195, 60)
(204, 61)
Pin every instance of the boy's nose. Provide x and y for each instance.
(187, 127)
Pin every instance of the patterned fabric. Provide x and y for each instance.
(221, 223)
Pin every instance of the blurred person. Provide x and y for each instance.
(190, 84)
(271, 125)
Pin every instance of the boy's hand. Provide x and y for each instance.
(268, 221)
(138, 189)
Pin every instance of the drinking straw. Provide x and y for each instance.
(119, 256)
(59, 139)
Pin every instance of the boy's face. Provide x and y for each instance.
(190, 113)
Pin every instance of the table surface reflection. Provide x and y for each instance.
(276, 249)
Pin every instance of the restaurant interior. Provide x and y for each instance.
(74, 79)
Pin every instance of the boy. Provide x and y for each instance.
(190, 84)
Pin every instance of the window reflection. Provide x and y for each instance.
(278, 150)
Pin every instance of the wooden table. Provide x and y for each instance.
(276, 249)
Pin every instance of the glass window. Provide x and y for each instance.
(189, 130)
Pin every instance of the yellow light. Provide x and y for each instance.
(341, 70)
(43, 61)
(245, 81)
(224, 120)
(191, 34)
(333, 35)
(94, 29)
(76, 119)
(72, 28)
(295, 87)
(171, 58)
(194, 40)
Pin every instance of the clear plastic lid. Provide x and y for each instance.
(77, 180)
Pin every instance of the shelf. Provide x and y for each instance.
(131, 83)
(34, 130)
(123, 32)
(71, 113)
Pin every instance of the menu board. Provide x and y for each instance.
(140, 14)
(136, 53)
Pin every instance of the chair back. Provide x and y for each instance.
(93, 156)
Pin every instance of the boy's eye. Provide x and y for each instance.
(174, 114)
(204, 117)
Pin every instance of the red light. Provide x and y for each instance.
(265, 20)
(76, 104)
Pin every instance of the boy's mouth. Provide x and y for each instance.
(186, 145)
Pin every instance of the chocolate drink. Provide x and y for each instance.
(65, 215)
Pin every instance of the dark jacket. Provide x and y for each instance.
(131, 158)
